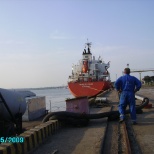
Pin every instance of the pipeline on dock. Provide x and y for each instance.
(84, 118)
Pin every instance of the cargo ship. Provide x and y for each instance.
(90, 76)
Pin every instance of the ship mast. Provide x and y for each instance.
(88, 44)
(87, 57)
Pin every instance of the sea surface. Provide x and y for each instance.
(55, 98)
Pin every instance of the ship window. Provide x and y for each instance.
(86, 56)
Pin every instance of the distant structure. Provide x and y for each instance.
(141, 70)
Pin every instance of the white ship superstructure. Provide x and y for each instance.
(90, 69)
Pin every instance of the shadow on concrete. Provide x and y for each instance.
(72, 139)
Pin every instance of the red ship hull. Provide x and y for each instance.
(89, 89)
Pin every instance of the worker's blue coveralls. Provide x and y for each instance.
(128, 85)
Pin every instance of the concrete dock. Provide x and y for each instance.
(88, 140)
(77, 139)
(144, 130)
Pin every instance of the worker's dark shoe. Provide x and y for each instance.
(134, 123)
(121, 120)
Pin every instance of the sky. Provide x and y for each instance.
(41, 39)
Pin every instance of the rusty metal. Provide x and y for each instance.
(124, 145)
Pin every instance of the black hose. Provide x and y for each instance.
(63, 115)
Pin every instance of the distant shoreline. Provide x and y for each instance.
(41, 88)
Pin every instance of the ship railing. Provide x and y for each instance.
(57, 108)
(92, 80)
(56, 105)
(104, 75)
(83, 76)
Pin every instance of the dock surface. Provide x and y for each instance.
(91, 139)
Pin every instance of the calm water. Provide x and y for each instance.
(55, 98)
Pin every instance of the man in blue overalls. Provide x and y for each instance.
(127, 86)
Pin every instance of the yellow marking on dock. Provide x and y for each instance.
(32, 138)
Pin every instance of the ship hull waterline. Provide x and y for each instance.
(89, 89)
